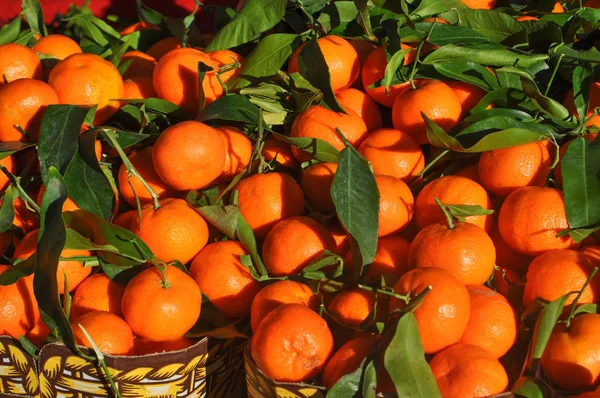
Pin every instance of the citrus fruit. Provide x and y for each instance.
(396, 204)
(109, 333)
(18, 62)
(352, 307)
(226, 59)
(594, 98)
(56, 46)
(97, 293)
(138, 87)
(347, 359)
(163, 46)
(506, 256)
(238, 149)
(480, 4)
(390, 261)
(316, 183)
(7, 162)
(468, 94)
(276, 151)
(19, 310)
(373, 71)
(363, 105)
(140, 64)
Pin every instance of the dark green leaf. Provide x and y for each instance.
(582, 82)
(142, 40)
(147, 14)
(393, 65)
(442, 34)
(8, 148)
(318, 149)
(161, 106)
(34, 15)
(128, 138)
(7, 210)
(427, 8)
(246, 236)
(348, 386)
(336, 14)
(495, 25)
(202, 69)
(461, 212)
(10, 32)
(591, 55)
(224, 218)
(364, 18)
(492, 55)
(19, 270)
(542, 34)
(234, 108)
(468, 72)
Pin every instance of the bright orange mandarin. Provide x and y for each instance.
(125, 219)
(142, 161)
(527, 18)
(57, 46)
(340, 236)
(141, 346)
(138, 87)
(394, 153)
(38, 334)
(363, 105)
(238, 149)
(480, 4)
(189, 155)
(468, 371)
(451, 190)
(530, 218)
(164, 46)
(503, 279)
(468, 94)
(23, 103)
(594, 98)
(347, 359)
(435, 99)
(18, 307)
(18, 62)
(294, 243)
(506, 256)
(141, 64)
(396, 204)
(493, 322)
(558, 272)
(224, 58)
(266, 199)
(9, 163)
(175, 78)
(320, 122)
(277, 294)
(390, 261)
(444, 312)
(97, 293)
(110, 333)
(316, 182)
(135, 27)
(570, 359)
(341, 58)
(160, 313)
(219, 273)
(75, 271)
(280, 151)
(293, 343)
(466, 251)
(558, 8)
(88, 79)
(373, 70)
(352, 307)
(174, 231)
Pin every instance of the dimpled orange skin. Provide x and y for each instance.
(224, 58)
(320, 122)
(373, 70)
(594, 98)
(138, 87)
(141, 64)
(294, 243)
(238, 149)
(18, 307)
(110, 333)
(88, 79)
(175, 78)
(74, 270)
(97, 293)
(162, 47)
(341, 58)
(159, 313)
(316, 183)
(468, 371)
(530, 218)
(219, 273)
(352, 307)
(279, 151)
(293, 343)
(57, 46)
(18, 62)
(570, 359)
(466, 251)
(266, 199)
(506, 256)
(277, 294)
(174, 231)
(23, 102)
(435, 99)
(444, 312)
(451, 190)
(393, 152)
(347, 359)
(558, 272)
(363, 105)
(396, 204)
(189, 155)
(468, 94)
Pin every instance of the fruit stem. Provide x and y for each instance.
(447, 214)
(430, 165)
(16, 182)
(574, 303)
(417, 57)
(553, 75)
(162, 268)
(416, 301)
(406, 299)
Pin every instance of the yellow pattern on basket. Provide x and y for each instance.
(17, 373)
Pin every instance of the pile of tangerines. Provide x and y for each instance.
(473, 251)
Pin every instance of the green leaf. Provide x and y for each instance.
(142, 40)
(427, 8)
(76, 241)
(580, 170)
(10, 32)
(336, 14)
(147, 14)
(461, 212)
(34, 15)
(393, 65)
(404, 360)
(468, 72)
(529, 389)
(369, 383)
(7, 210)
(127, 138)
(495, 25)
(8, 148)
(364, 18)
(255, 17)
(246, 236)
(542, 34)
(233, 108)
(348, 386)
(19, 270)
(583, 78)
(488, 55)
(441, 34)
(586, 309)
(320, 150)
(591, 55)
(224, 218)
(59, 137)
(161, 106)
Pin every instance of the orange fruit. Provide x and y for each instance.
(163, 46)
(19, 310)
(469, 95)
(394, 153)
(279, 151)
(88, 79)
(69, 204)
(175, 78)
(278, 293)
(527, 18)
(110, 333)
(6, 239)
(493, 322)
(340, 237)
(558, 8)
(530, 218)
(125, 219)
(189, 155)
(468, 371)
(174, 231)
(138, 87)
(74, 270)
(321, 123)
(238, 150)
(141, 160)
(558, 272)
(373, 70)
(396, 204)
(141, 64)
(141, 346)
(292, 344)
(352, 307)
(390, 261)
(97, 293)
(347, 359)
(39, 333)
(588, 394)
(363, 105)
(293, 243)
(23, 103)
(506, 256)
(466, 251)
(480, 4)
(470, 171)
(341, 58)
(225, 58)
(135, 27)
(266, 199)
(316, 183)
(435, 99)
(503, 279)
(56, 46)
(18, 62)
(570, 359)
(451, 190)
(160, 313)
(7, 162)
(444, 312)
(594, 98)
(219, 273)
